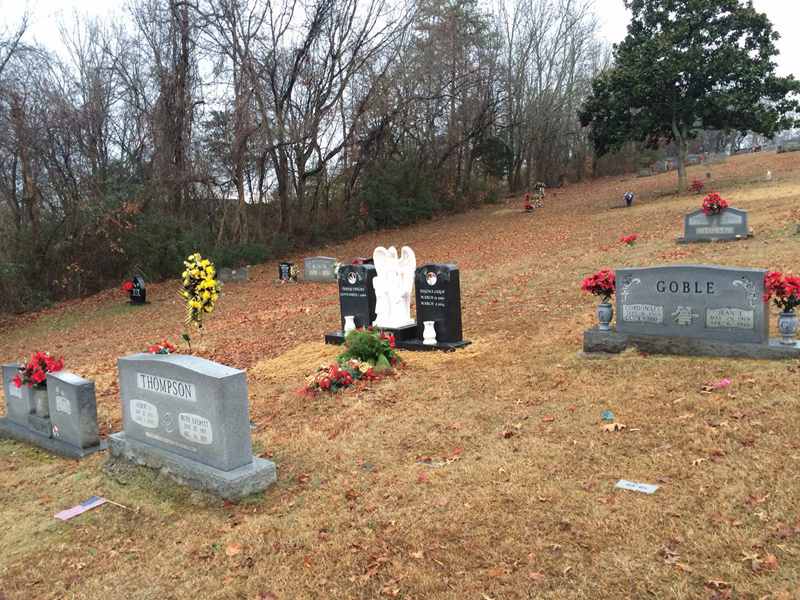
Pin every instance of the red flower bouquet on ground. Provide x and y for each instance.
(34, 373)
(163, 348)
(697, 186)
(783, 290)
(127, 286)
(527, 205)
(603, 284)
(629, 239)
(713, 204)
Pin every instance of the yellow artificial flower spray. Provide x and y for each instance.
(200, 289)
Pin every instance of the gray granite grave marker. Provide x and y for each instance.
(702, 310)
(319, 268)
(189, 416)
(730, 224)
(19, 404)
(73, 409)
(227, 275)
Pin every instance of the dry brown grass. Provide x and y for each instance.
(482, 474)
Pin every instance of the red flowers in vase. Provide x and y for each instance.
(34, 373)
(629, 239)
(713, 204)
(603, 284)
(127, 286)
(783, 290)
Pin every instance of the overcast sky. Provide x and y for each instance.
(784, 14)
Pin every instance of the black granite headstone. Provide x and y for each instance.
(285, 271)
(438, 295)
(629, 198)
(138, 293)
(356, 294)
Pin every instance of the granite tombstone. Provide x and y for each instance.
(319, 269)
(19, 404)
(138, 293)
(73, 409)
(357, 293)
(730, 224)
(438, 299)
(285, 271)
(228, 275)
(189, 416)
(69, 430)
(709, 302)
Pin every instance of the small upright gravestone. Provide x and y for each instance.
(286, 272)
(189, 417)
(356, 298)
(629, 197)
(730, 224)
(319, 269)
(138, 293)
(69, 430)
(228, 275)
(438, 299)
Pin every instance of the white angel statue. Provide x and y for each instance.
(393, 284)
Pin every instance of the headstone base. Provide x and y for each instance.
(14, 431)
(337, 338)
(231, 485)
(596, 342)
(738, 238)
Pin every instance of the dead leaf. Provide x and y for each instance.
(614, 427)
(548, 419)
(417, 555)
(496, 572)
(423, 477)
(303, 478)
(698, 461)
(232, 550)
(267, 596)
(717, 584)
(536, 576)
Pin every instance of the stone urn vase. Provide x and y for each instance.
(349, 324)
(605, 312)
(787, 325)
(40, 402)
(429, 333)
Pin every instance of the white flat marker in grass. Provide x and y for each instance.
(645, 488)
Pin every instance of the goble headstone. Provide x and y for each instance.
(693, 310)
(189, 417)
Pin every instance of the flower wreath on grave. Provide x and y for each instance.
(783, 290)
(34, 373)
(629, 240)
(697, 186)
(603, 284)
(369, 355)
(713, 204)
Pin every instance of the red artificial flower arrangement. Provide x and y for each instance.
(603, 283)
(629, 239)
(163, 348)
(784, 290)
(697, 186)
(34, 373)
(127, 286)
(528, 206)
(713, 204)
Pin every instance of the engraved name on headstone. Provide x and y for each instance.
(357, 294)
(438, 299)
(718, 303)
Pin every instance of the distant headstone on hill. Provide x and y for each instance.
(730, 224)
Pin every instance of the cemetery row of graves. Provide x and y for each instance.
(193, 420)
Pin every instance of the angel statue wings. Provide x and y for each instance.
(393, 286)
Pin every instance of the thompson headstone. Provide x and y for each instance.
(438, 299)
(319, 268)
(730, 224)
(189, 416)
